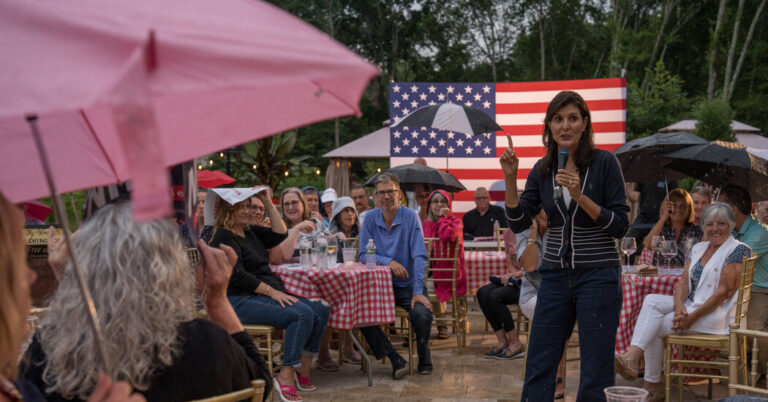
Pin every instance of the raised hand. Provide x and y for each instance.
(509, 161)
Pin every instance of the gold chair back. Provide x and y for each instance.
(500, 238)
(444, 258)
(254, 394)
(745, 288)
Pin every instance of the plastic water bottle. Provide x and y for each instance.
(496, 233)
(305, 253)
(321, 249)
(370, 255)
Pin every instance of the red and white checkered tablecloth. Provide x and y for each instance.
(634, 289)
(358, 296)
(480, 265)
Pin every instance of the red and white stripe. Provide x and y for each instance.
(520, 110)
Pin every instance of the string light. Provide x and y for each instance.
(317, 172)
(286, 173)
(221, 154)
(210, 162)
(378, 170)
(199, 166)
(254, 167)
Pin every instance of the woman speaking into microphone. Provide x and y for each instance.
(580, 277)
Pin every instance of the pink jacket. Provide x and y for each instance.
(449, 230)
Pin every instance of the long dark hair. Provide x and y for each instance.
(583, 155)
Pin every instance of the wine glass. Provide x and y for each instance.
(628, 247)
(688, 244)
(333, 247)
(669, 251)
(656, 243)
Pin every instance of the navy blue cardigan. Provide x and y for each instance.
(574, 239)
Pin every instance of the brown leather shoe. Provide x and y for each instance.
(621, 366)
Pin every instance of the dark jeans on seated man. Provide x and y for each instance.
(421, 322)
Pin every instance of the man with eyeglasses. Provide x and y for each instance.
(479, 221)
(399, 243)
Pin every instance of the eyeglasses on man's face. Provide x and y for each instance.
(386, 193)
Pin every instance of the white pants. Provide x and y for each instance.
(528, 307)
(653, 323)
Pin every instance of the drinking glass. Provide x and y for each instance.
(656, 242)
(625, 394)
(333, 247)
(628, 247)
(669, 251)
(688, 244)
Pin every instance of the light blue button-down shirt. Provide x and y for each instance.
(403, 242)
(755, 235)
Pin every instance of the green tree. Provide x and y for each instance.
(714, 120)
(661, 104)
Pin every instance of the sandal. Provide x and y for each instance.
(621, 366)
(330, 365)
(284, 390)
(352, 359)
(303, 383)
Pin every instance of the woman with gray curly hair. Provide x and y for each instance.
(704, 299)
(144, 290)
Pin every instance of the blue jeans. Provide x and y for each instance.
(591, 296)
(421, 321)
(304, 322)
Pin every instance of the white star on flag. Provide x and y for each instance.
(423, 142)
(468, 89)
(414, 88)
(478, 97)
(431, 89)
(396, 134)
(441, 142)
(432, 134)
(450, 135)
(460, 142)
(486, 89)
(432, 150)
(487, 104)
(405, 95)
(406, 142)
(459, 97)
(468, 104)
(396, 149)
(423, 96)
(487, 151)
(450, 150)
(440, 97)
(396, 88)
(450, 89)
(478, 143)
(469, 150)
(414, 104)
(415, 134)
(415, 149)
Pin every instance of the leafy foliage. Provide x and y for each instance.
(662, 104)
(714, 120)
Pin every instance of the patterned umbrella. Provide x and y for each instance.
(450, 116)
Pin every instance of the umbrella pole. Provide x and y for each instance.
(58, 207)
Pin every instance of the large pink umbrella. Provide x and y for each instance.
(118, 90)
(214, 73)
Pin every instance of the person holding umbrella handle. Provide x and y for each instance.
(580, 265)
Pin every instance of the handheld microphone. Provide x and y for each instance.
(562, 157)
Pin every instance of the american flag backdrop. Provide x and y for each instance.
(518, 107)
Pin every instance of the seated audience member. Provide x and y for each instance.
(495, 297)
(420, 194)
(327, 199)
(675, 223)
(142, 284)
(297, 220)
(704, 299)
(400, 245)
(762, 212)
(312, 201)
(479, 221)
(443, 225)
(344, 222)
(651, 195)
(531, 244)
(260, 298)
(16, 279)
(701, 197)
(359, 195)
(754, 235)
(258, 216)
(345, 225)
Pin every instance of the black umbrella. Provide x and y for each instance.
(722, 163)
(452, 117)
(641, 158)
(414, 173)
